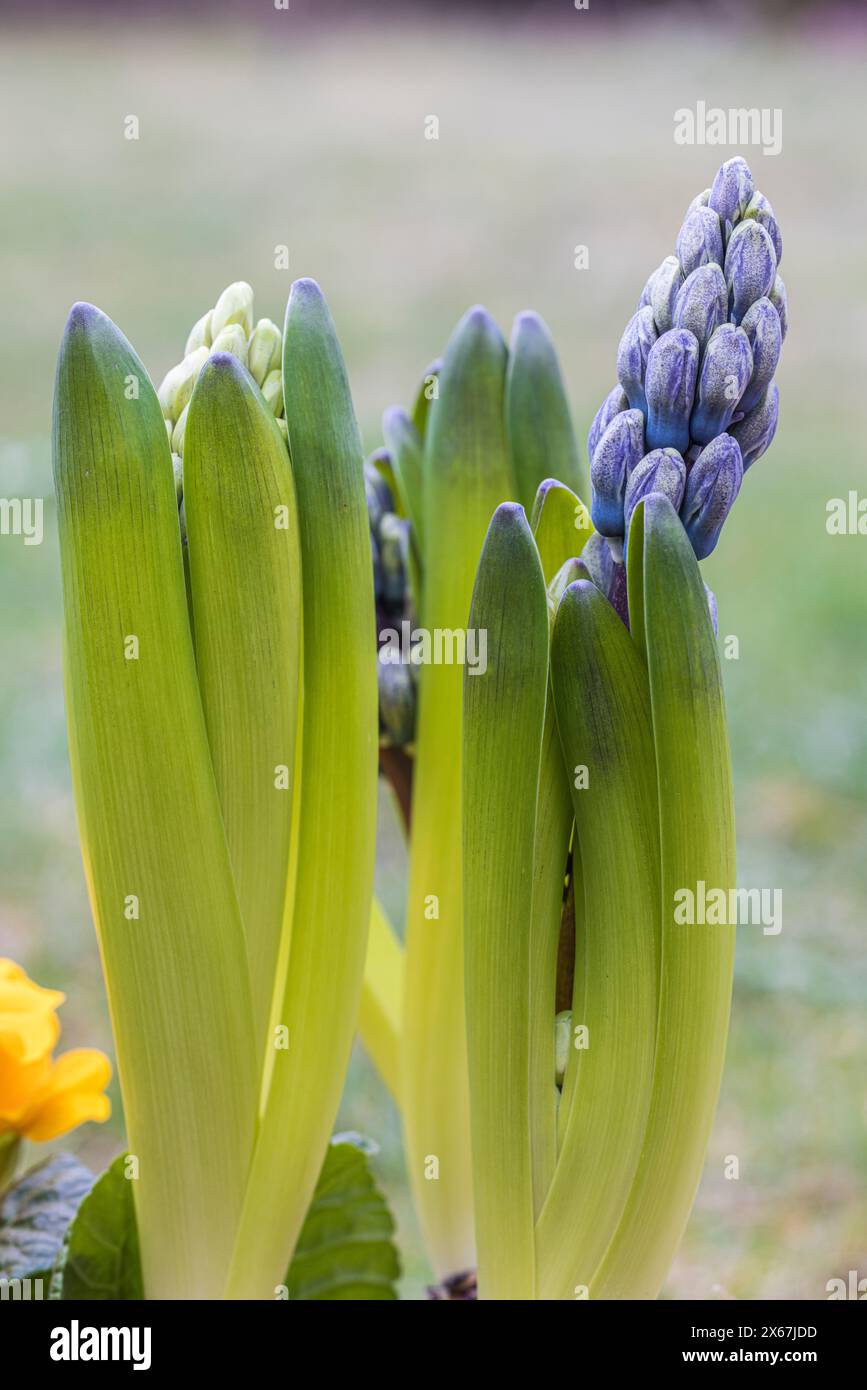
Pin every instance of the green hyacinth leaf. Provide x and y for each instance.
(316, 1022)
(466, 476)
(542, 441)
(603, 715)
(245, 576)
(696, 818)
(156, 859)
(504, 717)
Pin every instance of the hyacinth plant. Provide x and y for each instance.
(557, 1168)
(221, 773)
(549, 707)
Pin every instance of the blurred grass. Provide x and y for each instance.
(548, 138)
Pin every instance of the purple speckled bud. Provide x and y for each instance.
(731, 192)
(614, 402)
(664, 283)
(726, 369)
(699, 241)
(638, 339)
(756, 430)
(672, 368)
(702, 303)
(699, 201)
(759, 208)
(761, 324)
(777, 296)
(618, 451)
(750, 266)
(662, 470)
(711, 488)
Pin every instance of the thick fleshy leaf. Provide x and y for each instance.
(696, 821)
(603, 716)
(542, 440)
(316, 1021)
(504, 715)
(245, 581)
(467, 475)
(380, 1015)
(157, 863)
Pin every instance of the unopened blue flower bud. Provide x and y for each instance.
(702, 303)
(614, 402)
(379, 499)
(618, 451)
(725, 373)
(761, 324)
(672, 369)
(750, 266)
(700, 200)
(759, 208)
(396, 701)
(393, 537)
(756, 430)
(777, 296)
(662, 470)
(731, 192)
(699, 241)
(667, 280)
(638, 339)
(711, 488)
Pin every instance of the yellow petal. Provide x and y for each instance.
(21, 1084)
(72, 1096)
(28, 1026)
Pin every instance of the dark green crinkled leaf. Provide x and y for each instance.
(35, 1214)
(100, 1258)
(345, 1249)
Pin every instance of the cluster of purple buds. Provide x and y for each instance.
(389, 540)
(695, 404)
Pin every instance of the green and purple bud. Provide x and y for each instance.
(762, 326)
(699, 241)
(750, 266)
(761, 210)
(661, 290)
(756, 430)
(666, 284)
(711, 488)
(777, 296)
(725, 374)
(619, 450)
(632, 355)
(702, 303)
(731, 192)
(672, 370)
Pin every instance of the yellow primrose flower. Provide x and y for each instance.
(41, 1096)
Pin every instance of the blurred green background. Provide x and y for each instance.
(551, 135)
